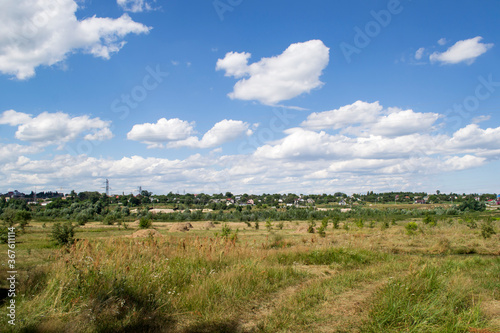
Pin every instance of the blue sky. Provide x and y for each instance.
(249, 96)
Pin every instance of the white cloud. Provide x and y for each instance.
(419, 53)
(362, 118)
(480, 119)
(14, 118)
(357, 113)
(462, 51)
(176, 133)
(403, 122)
(283, 77)
(162, 131)
(463, 162)
(55, 128)
(135, 6)
(224, 131)
(11, 152)
(37, 33)
(442, 41)
(473, 137)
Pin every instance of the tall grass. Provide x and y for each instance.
(433, 299)
(121, 284)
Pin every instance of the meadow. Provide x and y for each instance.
(342, 274)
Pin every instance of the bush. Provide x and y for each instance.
(470, 222)
(281, 225)
(487, 229)
(269, 224)
(23, 218)
(256, 225)
(63, 234)
(226, 231)
(429, 220)
(145, 223)
(411, 227)
(310, 227)
(109, 220)
(471, 205)
(82, 218)
(336, 222)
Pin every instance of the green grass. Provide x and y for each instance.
(440, 297)
(356, 280)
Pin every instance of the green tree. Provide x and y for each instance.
(63, 233)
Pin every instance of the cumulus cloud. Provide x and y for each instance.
(371, 119)
(419, 53)
(357, 113)
(283, 77)
(222, 132)
(12, 151)
(135, 6)
(403, 122)
(37, 33)
(474, 137)
(55, 128)
(462, 51)
(14, 118)
(163, 130)
(176, 133)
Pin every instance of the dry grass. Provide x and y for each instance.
(278, 281)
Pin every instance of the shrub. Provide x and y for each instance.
(360, 224)
(310, 227)
(226, 230)
(336, 222)
(145, 223)
(281, 225)
(411, 227)
(63, 234)
(4, 233)
(470, 222)
(82, 218)
(429, 220)
(487, 229)
(269, 224)
(109, 220)
(321, 231)
(385, 225)
(472, 205)
(256, 224)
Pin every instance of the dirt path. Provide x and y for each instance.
(348, 310)
(262, 310)
(344, 312)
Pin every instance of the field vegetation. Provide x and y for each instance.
(370, 269)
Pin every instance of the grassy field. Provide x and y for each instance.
(364, 276)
